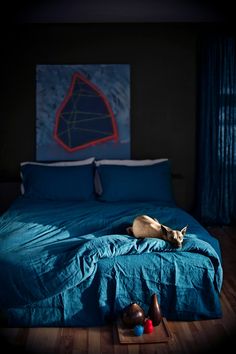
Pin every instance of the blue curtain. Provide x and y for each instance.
(216, 168)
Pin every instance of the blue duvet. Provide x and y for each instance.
(73, 264)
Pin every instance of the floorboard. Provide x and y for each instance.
(187, 337)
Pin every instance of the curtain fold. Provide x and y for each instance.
(217, 132)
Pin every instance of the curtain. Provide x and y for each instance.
(216, 168)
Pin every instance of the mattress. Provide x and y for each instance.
(70, 263)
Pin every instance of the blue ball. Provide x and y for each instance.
(138, 330)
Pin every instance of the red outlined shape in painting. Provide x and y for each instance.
(114, 136)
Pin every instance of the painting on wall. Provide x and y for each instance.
(82, 111)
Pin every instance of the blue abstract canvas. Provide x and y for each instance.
(82, 111)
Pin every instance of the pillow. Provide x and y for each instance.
(58, 182)
(98, 186)
(58, 163)
(149, 182)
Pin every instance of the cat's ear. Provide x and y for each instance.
(164, 229)
(183, 231)
(129, 231)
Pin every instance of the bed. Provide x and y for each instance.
(66, 258)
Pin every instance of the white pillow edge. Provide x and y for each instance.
(61, 163)
(145, 162)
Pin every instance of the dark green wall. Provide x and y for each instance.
(163, 88)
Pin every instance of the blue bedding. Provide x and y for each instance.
(73, 264)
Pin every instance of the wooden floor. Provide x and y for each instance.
(187, 337)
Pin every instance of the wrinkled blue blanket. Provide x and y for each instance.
(65, 263)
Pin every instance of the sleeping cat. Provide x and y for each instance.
(144, 226)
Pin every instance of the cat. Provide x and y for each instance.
(145, 226)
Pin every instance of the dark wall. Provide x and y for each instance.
(163, 88)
